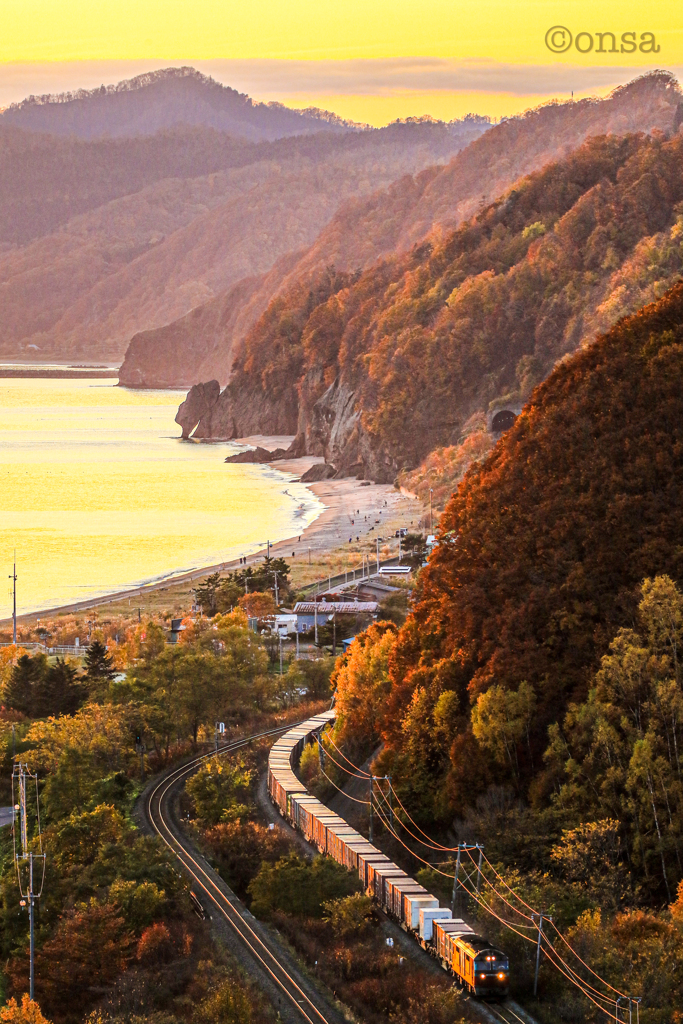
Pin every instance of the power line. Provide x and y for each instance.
(572, 976)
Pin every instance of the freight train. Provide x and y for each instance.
(477, 966)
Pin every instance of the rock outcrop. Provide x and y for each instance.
(258, 454)
(319, 471)
(200, 400)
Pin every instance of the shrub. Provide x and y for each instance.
(349, 916)
(299, 887)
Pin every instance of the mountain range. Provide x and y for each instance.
(391, 220)
(101, 238)
(160, 100)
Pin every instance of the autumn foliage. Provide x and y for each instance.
(378, 369)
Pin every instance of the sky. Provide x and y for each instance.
(371, 60)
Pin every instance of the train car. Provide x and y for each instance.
(445, 933)
(412, 905)
(366, 860)
(355, 850)
(338, 840)
(479, 967)
(382, 875)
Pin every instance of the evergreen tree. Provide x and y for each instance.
(99, 668)
(21, 691)
(58, 692)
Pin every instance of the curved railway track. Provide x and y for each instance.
(272, 963)
(505, 1013)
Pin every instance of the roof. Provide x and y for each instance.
(342, 607)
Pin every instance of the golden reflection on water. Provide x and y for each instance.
(97, 492)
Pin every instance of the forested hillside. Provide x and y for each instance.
(165, 99)
(536, 657)
(390, 221)
(376, 370)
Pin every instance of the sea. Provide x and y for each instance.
(98, 493)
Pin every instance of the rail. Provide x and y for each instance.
(307, 1004)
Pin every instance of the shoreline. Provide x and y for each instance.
(330, 530)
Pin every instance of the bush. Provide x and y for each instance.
(155, 945)
(139, 902)
(217, 790)
(240, 847)
(349, 917)
(300, 888)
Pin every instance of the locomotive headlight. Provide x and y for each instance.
(501, 976)
(483, 977)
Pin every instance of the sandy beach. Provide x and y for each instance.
(354, 511)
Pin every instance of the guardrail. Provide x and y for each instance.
(361, 575)
(43, 649)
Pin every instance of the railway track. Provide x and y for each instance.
(505, 1012)
(291, 993)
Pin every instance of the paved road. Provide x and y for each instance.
(293, 994)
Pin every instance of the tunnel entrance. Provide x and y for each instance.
(503, 420)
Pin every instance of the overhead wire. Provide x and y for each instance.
(571, 976)
(580, 982)
(567, 944)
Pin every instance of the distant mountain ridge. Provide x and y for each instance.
(413, 208)
(102, 239)
(165, 99)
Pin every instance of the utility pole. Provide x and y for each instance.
(268, 549)
(632, 1000)
(481, 857)
(456, 894)
(297, 644)
(277, 602)
(309, 556)
(27, 889)
(334, 633)
(399, 547)
(315, 620)
(279, 638)
(13, 577)
(378, 539)
(371, 795)
(463, 848)
(431, 528)
(541, 918)
(391, 803)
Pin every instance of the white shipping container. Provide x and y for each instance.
(427, 916)
(413, 905)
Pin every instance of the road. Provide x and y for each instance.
(266, 961)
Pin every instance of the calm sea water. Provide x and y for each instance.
(98, 493)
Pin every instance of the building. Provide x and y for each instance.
(308, 612)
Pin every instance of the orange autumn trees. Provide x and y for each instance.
(542, 552)
(376, 370)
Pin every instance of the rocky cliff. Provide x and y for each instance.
(375, 370)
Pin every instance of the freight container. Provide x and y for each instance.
(427, 916)
(366, 859)
(399, 890)
(413, 905)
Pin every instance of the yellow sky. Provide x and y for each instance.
(513, 32)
